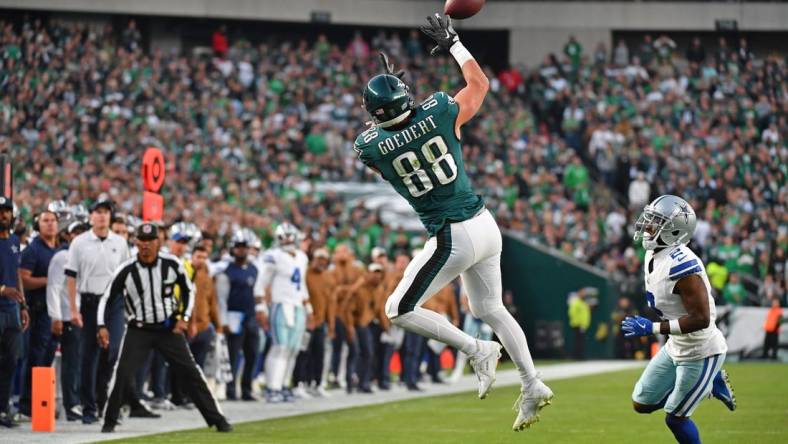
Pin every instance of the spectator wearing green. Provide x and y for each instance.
(734, 292)
(576, 179)
(316, 142)
(574, 50)
(729, 252)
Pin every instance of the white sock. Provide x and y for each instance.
(462, 359)
(513, 340)
(275, 368)
(432, 325)
(291, 361)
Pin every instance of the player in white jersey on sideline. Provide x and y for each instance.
(282, 280)
(678, 290)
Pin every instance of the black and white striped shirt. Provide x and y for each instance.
(149, 291)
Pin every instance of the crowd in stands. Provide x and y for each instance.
(566, 152)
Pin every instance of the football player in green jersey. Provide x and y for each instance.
(416, 148)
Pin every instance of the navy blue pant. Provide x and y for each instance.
(385, 352)
(382, 362)
(316, 351)
(10, 345)
(40, 350)
(364, 356)
(340, 336)
(247, 341)
(433, 364)
(70, 364)
(412, 357)
(90, 355)
(201, 343)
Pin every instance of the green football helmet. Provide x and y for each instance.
(387, 98)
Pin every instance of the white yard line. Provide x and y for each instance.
(239, 411)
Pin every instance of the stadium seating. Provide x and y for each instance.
(567, 152)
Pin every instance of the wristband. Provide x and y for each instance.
(308, 308)
(261, 308)
(22, 306)
(460, 53)
(655, 327)
(675, 328)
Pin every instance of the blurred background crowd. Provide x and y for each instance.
(567, 152)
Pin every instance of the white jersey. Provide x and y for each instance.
(662, 270)
(285, 273)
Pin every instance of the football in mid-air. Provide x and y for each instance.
(462, 9)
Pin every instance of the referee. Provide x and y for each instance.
(156, 321)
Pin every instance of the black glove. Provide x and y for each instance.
(441, 31)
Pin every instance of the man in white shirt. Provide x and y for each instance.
(60, 311)
(92, 259)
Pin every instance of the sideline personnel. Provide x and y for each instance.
(92, 258)
(156, 321)
(13, 311)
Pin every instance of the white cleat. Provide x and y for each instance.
(300, 392)
(484, 363)
(319, 392)
(454, 377)
(532, 399)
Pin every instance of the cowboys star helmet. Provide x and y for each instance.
(668, 221)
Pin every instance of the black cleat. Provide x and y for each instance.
(108, 428)
(7, 420)
(224, 426)
(73, 414)
(142, 412)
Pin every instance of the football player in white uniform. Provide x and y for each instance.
(284, 272)
(678, 290)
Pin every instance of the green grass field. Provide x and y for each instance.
(593, 409)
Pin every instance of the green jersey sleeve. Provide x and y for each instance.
(362, 143)
(445, 107)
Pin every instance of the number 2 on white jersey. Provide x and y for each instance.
(436, 152)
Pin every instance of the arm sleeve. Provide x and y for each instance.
(187, 291)
(447, 107)
(55, 281)
(265, 274)
(72, 261)
(222, 294)
(27, 260)
(114, 290)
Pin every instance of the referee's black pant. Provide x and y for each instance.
(136, 345)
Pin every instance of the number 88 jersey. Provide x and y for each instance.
(422, 159)
(285, 274)
(663, 270)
